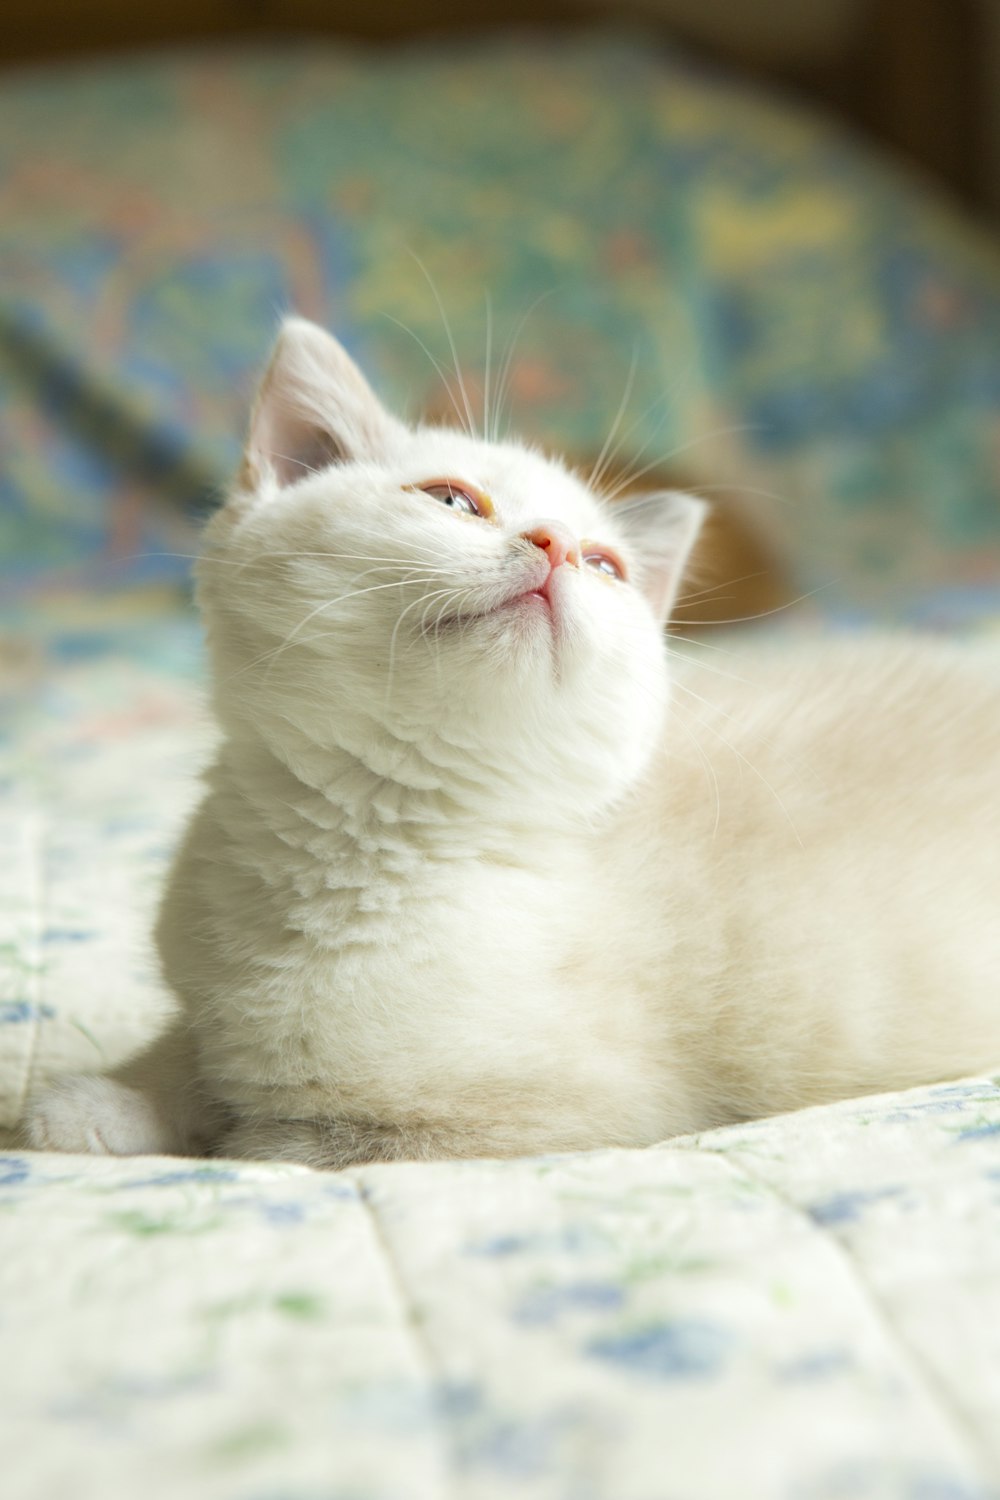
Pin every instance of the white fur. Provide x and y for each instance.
(466, 884)
(101, 1116)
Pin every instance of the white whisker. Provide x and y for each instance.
(728, 583)
(507, 364)
(486, 371)
(423, 599)
(762, 614)
(633, 477)
(706, 762)
(471, 426)
(739, 754)
(290, 459)
(326, 604)
(441, 375)
(595, 474)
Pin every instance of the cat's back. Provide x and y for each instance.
(814, 855)
(835, 727)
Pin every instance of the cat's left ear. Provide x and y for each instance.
(663, 528)
(314, 408)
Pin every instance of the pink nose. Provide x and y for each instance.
(558, 544)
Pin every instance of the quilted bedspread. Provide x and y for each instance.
(805, 1308)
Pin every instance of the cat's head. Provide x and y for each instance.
(436, 603)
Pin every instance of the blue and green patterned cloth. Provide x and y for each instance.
(804, 1309)
(805, 321)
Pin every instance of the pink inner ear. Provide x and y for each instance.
(295, 447)
(315, 408)
(660, 585)
(663, 529)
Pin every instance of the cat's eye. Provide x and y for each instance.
(461, 497)
(605, 562)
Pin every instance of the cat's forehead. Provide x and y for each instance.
(523, 483)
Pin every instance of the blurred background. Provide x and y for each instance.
(766, 231)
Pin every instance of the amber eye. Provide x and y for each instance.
(456, 497)
(606, 563)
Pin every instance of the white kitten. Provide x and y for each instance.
(469, 879)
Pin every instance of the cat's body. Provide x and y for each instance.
(469, 885)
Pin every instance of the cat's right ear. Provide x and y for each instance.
(314, 408)
(663, 527)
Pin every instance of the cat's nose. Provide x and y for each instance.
(556, 541)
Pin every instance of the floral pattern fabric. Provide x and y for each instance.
(806, 1308)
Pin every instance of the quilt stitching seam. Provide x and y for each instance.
(941, 1399)
(419, 1341)
(38, 976)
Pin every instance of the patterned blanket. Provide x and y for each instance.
(802, 325)
(807, 1308)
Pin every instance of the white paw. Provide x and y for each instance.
(97, 1115)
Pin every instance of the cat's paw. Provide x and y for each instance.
(100, 1116)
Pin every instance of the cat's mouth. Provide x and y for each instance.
(536, 599)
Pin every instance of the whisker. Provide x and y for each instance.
(290, 459)
(728, 583)
(458, 598)
(707, 666)
(460, 595)
(764, 613)
(764, 739)
(633, 478)
(424, 563)
(663, 398)
(629, 476)
(706, 762)
(700, 642)
(441, 375)
(424, 598)
(598, 469)
(739, 754)
(326, 604)
(508, 359)
(185, 556)
(740, 489)
(471, 429)
(487, 369)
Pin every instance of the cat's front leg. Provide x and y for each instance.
(101, 1116)
(148, 1107)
